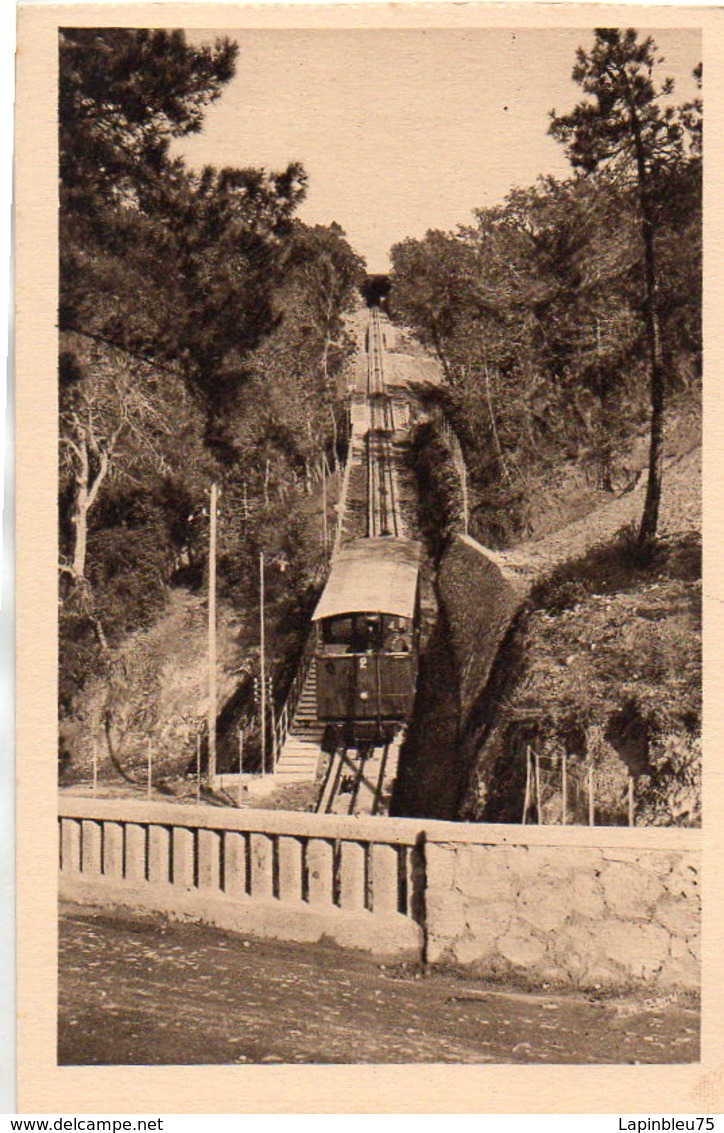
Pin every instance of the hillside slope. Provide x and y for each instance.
(605, 669)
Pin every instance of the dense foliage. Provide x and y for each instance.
(201, 334)
(564, 317)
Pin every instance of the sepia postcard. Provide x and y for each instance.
(369, 516)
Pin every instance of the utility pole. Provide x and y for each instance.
(324, 502)
(239, 794)
(262, 662)
(198, 768)
(212, 634)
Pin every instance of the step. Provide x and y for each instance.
(295, 777)
(306, 770)
(295, 755)
(302, 742)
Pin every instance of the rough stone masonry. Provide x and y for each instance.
(583, 915)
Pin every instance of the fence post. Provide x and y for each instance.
(631, 812)
(198, 767)
(537, 787)
(241, 766)
(526, 799)
(564, 788)
(591, 808)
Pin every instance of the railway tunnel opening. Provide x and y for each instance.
(375, 290)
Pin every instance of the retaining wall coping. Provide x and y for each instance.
(405, 831)
(494, 557)
(518, 582)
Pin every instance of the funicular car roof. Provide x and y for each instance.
(372, 576)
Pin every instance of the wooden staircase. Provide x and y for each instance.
(301, 750)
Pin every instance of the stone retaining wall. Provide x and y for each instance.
(589, 915)
(480, 598)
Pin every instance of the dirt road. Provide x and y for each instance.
(142, 991)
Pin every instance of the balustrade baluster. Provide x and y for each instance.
(113, 850)
(320, 867)
(262, 866)
(385, 878)
(135, 866)
(183, 845)
(209, 846)
(352, 875)
(235, 880)
(159, 854)
(290, 869)
(91, 842)
(70, 845)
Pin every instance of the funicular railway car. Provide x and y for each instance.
(367, 626)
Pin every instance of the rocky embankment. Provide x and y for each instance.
(567, 645)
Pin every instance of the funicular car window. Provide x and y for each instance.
(397, 636)
(356, 633)
(338, 631)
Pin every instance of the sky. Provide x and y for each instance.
(402, 130)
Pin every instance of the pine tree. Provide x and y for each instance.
(624, 121)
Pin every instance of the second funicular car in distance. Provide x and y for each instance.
(367, 626)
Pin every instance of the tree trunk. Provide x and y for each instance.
(335, 440)
(437, 343)
(325, 359)
(87, 488)
(498, 448)
(80, 524)
(266, 483)
(100, 632)
(650, 517)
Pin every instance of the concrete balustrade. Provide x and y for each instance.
(291, 876)
(601, 906)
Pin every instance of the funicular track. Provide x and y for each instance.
(356, 776)
(383, 516)
(355, 780)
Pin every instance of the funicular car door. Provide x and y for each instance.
(336, 683)
(366, 703)
(396, 685)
